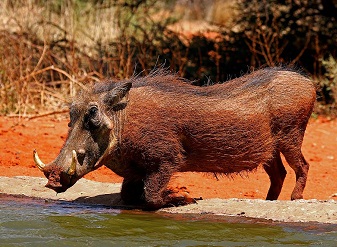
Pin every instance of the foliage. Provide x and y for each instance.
(289, 31)
(330, 80)
(327, 88)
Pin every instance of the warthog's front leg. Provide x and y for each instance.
(156, 193)
(132, 191)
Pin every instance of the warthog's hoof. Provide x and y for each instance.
(179, 197)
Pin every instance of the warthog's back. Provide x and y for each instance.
(278, 86)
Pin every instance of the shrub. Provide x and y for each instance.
(327, 88)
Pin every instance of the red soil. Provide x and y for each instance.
(19, 137)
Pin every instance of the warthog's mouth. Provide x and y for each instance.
(56, 188)
(58, 179)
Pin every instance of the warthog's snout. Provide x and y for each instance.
(58, 179)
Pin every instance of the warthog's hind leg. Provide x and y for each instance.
(277, 173)
(298, 163)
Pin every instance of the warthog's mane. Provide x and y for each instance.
(168, 82)
(163, 79)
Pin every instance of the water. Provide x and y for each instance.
(25, 222)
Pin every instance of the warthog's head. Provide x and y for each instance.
(94, 129)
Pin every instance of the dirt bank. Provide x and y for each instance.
(91, 192)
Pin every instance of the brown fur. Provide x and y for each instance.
(170, 125)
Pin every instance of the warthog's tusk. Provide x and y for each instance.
(38, 162)
(72, 169)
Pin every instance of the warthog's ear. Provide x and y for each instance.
(114, 96)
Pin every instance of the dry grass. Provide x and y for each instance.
(40, 67)
(34, 78)
(50, 49)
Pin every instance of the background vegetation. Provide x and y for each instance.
(50, 49)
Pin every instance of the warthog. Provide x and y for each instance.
(165, 125)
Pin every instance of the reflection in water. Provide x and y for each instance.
(25, 222)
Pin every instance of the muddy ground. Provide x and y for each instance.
(234, 196)
(107, 194)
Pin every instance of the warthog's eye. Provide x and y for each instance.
(93, 111)
(92, 119)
